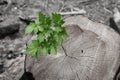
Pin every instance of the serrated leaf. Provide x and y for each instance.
(40, 28)
(50, 34)
(35, 43)
(30, 28)
(31, 51)
(64, 31)
(53, 50)
(58, 29)
(48, 21)
(61, 22)
(35, 30)
(41, 37)
(31, 46)
(41, 17)
(64, 36)
(56, 17)
(38, 53)
(47, 33)
(45, 51)
(56, 37)
(56, 45)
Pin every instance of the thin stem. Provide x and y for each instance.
(25, 62)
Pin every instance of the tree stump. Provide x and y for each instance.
(93, 53)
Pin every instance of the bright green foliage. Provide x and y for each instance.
(50, 33)
(30, 28)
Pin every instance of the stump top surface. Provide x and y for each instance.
(92, 49)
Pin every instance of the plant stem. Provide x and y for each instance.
(25, 63)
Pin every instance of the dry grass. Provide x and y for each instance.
(96, 10)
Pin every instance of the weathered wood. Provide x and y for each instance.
(93, 51)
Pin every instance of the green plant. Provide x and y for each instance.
(50, 34)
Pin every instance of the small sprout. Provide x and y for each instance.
(50, 34)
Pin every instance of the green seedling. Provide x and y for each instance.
(50, 33)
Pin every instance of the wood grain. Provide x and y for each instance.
(93, 54)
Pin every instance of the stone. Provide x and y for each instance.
(9, 26)
(9, 30)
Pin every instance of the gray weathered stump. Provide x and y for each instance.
(93, 53)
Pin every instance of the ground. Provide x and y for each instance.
(21, 12)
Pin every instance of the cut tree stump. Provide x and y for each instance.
(93, 51)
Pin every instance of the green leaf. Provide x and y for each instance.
(40, 28)
(64, 32)
(58, 29)
(45, 51)
(41, 17)
(56, 44)
(56, 17)
(53, 50)
(61, 22)
(38, 53)
(48, 21)
(30, 28)
(35, 30)
(64, 36)
(32, 51)
(48, 33)
(56, 37)
(31, 46)
(41, 37)
(35, 43)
